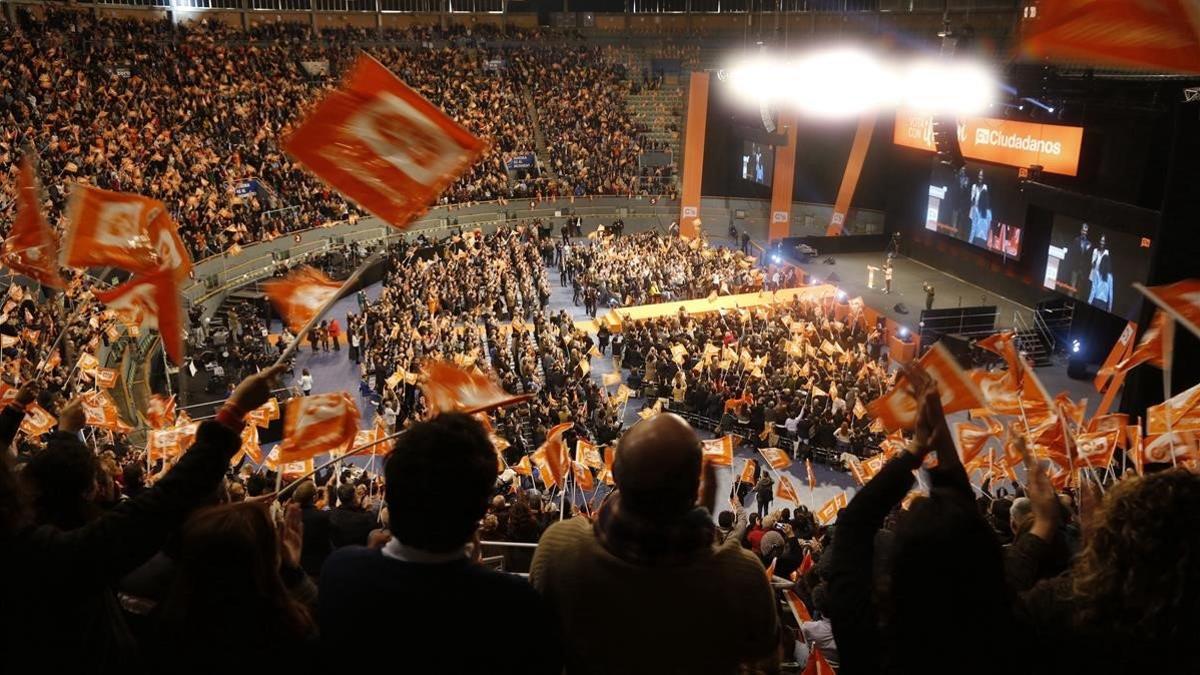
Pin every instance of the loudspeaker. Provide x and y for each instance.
(900, 308)
(1077, 369)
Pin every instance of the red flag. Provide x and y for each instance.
(1159, 35)
(898, 410)
(776, 458)
(785, 490)
(1181, 300)
(449, 387)
(300, 295)
(31, 247)
(807, 563)
(317, 424)
(150, 301)
(381, 144)
(817, 664)
(111, 228)
(719, 451)
(799, 611)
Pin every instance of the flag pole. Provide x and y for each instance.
(291, 349)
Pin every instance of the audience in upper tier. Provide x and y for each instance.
(161, 110)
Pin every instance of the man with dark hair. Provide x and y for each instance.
(422, 597)
(316, 547)
(652, 554)
(349, 524)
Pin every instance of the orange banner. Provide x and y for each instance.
(1021, 144)
(781, 188)
(854, 166)
(1144, 35)
(693, 154)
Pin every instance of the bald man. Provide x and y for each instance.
(646, 589)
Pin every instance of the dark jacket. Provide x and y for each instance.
(57, 612)
(316, 547)
(349, 527)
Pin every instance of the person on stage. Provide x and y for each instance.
(1101, 278)
(981, 212)
(1076, 262)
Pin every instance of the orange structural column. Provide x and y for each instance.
(693, 154)
(781, 188)
(858, 155)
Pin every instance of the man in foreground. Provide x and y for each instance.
(422, 601)
(646, 590)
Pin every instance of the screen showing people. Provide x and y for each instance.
(977, 203)
(758, 161)
(1096, 264)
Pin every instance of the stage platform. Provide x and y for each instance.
(850, 270)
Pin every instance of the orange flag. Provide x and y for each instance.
(776, 458)
(718, 451)
(1180, 300)
(1181, 412)
(316, 425)
(552, 455)
(785, 491)
(265, 413)
(172, 254)
(1133, 439)
(150, 301)
(606, 473)
(1003, 344)
(380, 143)
(300, 295)
(817, 664)
(828, 512)
(583, 476)
(160, 411)
(163, 443)
(99, 410)
(589, 454)
(250, 446)
(111, 228)
(523, 467)
(1151, 348)
(1161, 35)
(31, 247)
(1119, 351)
(106, 377)
(806, 564)
(1108, 422)
(999, 391)
(799, 611)
(449, 387)
(37, 421)
(1096, 449)
(812, 480)
(972, 439)
(1180, 446)
(747, 475)
(898, 410)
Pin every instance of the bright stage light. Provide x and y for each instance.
(841, 296)
(846, 82)
(1075, 346)
(903, 332)
(776, 259)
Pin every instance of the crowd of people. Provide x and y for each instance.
(206, 567)
(161, 110)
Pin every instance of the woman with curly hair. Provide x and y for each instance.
(1131, 603)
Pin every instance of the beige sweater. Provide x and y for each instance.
(704, 617)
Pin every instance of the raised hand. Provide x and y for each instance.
(1039, 489)
(291, 536)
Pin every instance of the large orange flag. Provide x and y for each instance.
(300, 295)
(160, 411)
(719, 451)
(1159, 35)
(317, 424)
(583, 476)
(828, 512)
(250, 446)
(1151, 348)
(111, 228)
(1181, 300)
(972, 439)
(1181, 412)
(450, 387)
(785, 490)
(552, 455)
(589, 454)
(150, 301)
(1096, 449)
(172, 254)
(1120, 349)
(1003, 344)
(31, 247)
(898, 410)
(381, 144)
(747, 475)
(776, 458)
(1180, 446)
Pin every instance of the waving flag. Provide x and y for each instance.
(777, 459)
(37, 421)
(99, 410)
(1159, 35)
(1181, 412)
(718, 451)
(111, 228)
(972, 439)
(150, 301)
(897, 409)
(583, 476)
(1180, 446)
(812, 479)
(299, 296)
(747, 475)
(1003, 344)
(786, 491)
(1152, 348)
(1096, 449)
(551, 458)
(31, 247)
(523, 467)
(1120, 349)
(448, 387)
(587, 453)
(316, 425)
(250, 446)
(160, 411)
(799, 611)
(828, 512)
(381, 144)
(606, 473)
(162, 443)
(265, 413)
(1181, 300)
(172, 254)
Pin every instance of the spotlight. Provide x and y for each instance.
(775, 258)
(1075, 346)
(841, 296)
(903, 332)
